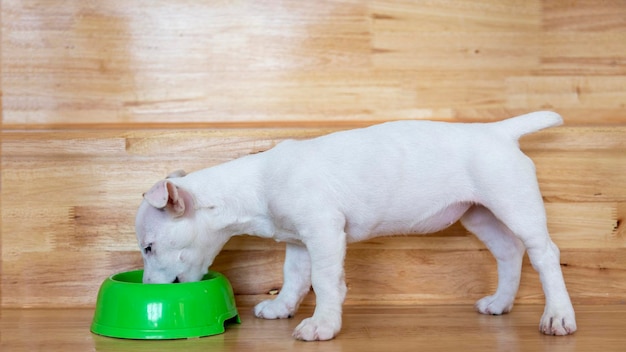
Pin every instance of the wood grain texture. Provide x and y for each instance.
(379, 328)
(69, 198)
(102, 99)
(148, 62)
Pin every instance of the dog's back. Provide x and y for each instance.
(374, 175)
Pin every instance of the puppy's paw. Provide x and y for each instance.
(273, 309)
(494, 305)
(558, 322)
(315, 329)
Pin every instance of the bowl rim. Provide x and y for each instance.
(116, 278)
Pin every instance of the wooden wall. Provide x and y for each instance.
(100, 99)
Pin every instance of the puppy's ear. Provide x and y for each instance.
(165, 195)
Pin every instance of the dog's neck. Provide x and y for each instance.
(235, 199)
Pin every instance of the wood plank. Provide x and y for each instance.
(195, 142)
(101, 99)
(581, 176)
(114, 63)
(515, 53)
(70, 197)
(593, 175)
(404, 277)
(59, 278)
(580, 54)
(455, 16)
(584, 16)
(566, 138)
(567, 92)
(111, 228)
(445, 327)
(53, 44)
(428, 285)
(393, 276)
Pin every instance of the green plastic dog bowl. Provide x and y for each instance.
(129, 309)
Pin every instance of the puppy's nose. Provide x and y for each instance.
(176, 280)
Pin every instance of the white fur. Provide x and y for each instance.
(318, 195)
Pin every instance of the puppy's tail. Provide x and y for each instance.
(524, 124)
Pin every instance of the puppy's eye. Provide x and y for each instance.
(148, 249)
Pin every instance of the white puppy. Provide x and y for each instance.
(319, 195)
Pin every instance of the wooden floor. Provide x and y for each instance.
(366, 328)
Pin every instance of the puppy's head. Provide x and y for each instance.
(175, 244)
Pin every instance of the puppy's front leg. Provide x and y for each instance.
(297, 283)
(327, 275)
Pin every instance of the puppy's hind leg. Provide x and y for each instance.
(516, 201)
(508, 251)
(297, 283)
(530, 227)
